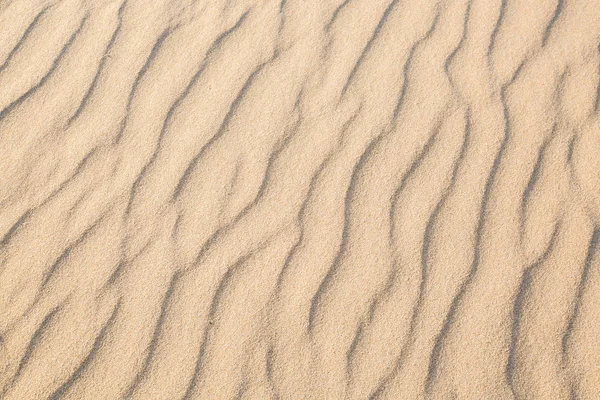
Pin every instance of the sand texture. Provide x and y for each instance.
(299, 199)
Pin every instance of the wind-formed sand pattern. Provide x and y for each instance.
(299, 199)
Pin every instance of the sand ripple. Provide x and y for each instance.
(299, 199)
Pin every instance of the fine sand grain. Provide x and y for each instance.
(299, 199)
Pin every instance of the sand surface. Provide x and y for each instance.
(299, 199)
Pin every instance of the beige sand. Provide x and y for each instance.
(299, 199)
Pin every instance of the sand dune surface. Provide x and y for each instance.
(299, 199)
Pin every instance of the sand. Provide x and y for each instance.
(299, 199)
